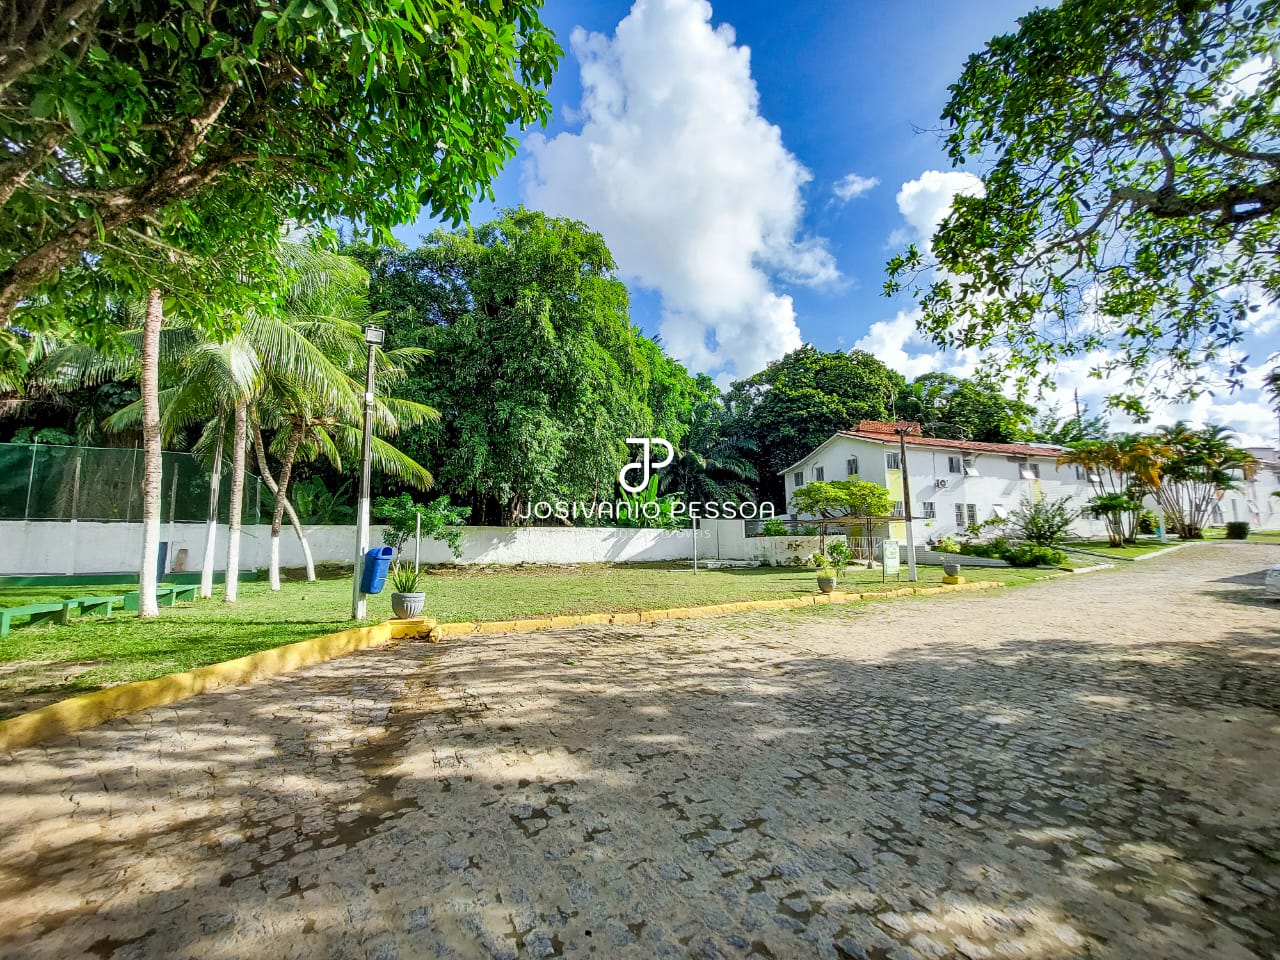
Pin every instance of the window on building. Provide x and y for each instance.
(969, 469)
(930, 510)
(959, 514)
(818, 473)
(1094, 478)
(898, 509)
(893, 461)
(971, 512)
(1079, 473)
(798, 477)
(852, 464)
(955, 465)
(1029, 471)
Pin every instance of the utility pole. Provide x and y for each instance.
(373, 336)
(912, 573)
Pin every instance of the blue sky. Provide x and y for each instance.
(707, 142)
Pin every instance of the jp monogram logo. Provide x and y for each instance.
(644, 464)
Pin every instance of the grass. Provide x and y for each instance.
(1133, 550)
(1130, 550)
(45, 662)
(1261, 536)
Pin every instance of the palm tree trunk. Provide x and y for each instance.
(152, 462)
(211, 524)
(286, 469)
(261, 450)
(238, 443)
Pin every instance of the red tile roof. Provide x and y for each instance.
(887, 433)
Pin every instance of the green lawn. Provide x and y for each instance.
(1148, 546)
(1130, 550)
(1262, 536)
(44, 662)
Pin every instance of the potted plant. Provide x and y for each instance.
(826, 572)
(407, 598)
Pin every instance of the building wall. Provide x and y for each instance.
(999, 486)
(32, 548)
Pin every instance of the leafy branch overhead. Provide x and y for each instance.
(1130, 153)
(137, 133)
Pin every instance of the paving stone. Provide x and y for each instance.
(975, 776)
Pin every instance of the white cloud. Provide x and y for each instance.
(851, 186)
(694, 191)
(925, 202)
(899, 346)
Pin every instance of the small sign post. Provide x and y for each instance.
(890, 560)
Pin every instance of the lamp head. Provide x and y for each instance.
(374, 335)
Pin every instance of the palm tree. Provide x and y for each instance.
(1197, 468)
(307, 428)
(300, 356)
(1121, 471)
(713, 465)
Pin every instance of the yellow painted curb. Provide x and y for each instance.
(91, 709)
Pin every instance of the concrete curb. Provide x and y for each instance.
(91, 709)
(686, 613)
(1166, 550)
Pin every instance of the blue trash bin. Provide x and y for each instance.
(376, 564)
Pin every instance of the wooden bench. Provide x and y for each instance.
(35, 612)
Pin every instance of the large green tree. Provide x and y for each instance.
(800, 400)
(141, 137)
(1130, 151)
(536, 369)
(949, 406)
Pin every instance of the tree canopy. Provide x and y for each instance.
(537, 371)
(973, 409)
(1130, 152)
(140, 136)
(800, 400)
(836, 499)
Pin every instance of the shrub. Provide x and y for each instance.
(1034, 555)
(948, 545)
(840, 556)
(773, 528)
(439, 521)
(1044, 522)
(991, 550)
(809, 530)
(1148, 522)
(1238, 530)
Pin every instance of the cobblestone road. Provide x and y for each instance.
(1082, 768)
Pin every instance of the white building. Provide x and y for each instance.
(957, 483)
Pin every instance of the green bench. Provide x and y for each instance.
(100, 605)
(62, 609)
(166, 596)
(35, 612)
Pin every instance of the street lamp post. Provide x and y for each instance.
(373, 336)
(901, 431)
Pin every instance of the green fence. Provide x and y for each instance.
(42, 481)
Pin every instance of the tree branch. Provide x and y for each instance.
(27, 57)
(1237, 204)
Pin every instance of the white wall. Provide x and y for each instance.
(52, 547)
